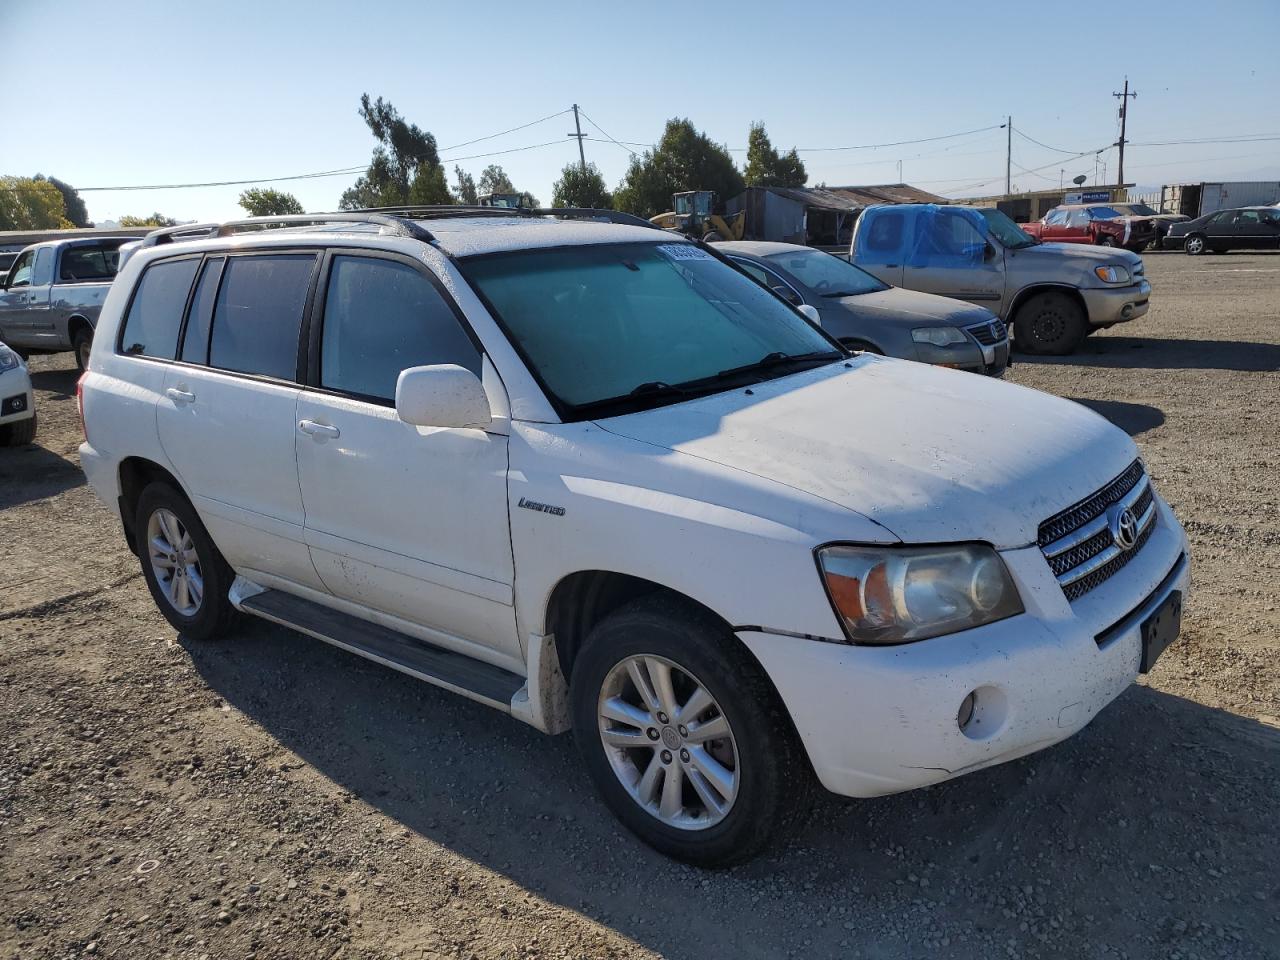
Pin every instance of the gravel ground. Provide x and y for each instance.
(269, 796)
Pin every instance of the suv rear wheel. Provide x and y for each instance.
(683, 735)
(186, 574)
(1050, 323)
(82, 344)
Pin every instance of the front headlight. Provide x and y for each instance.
(8, 359)
(1112, 274)
(888, 595)
(939, 336)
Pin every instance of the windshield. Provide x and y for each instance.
(1010, 235)
(609, 329)
(826, 275)
(1137, 210)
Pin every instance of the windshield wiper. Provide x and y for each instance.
(656, 387)
(843, 293)
(776, 359)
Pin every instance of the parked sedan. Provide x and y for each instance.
(17, 402)
(867, 314)
(1244, 228)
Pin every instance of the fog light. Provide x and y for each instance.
(1127, 312)
(965, 713)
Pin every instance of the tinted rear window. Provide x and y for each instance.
(151, 328)
(195, 342)
(259, 313)
(88, 263)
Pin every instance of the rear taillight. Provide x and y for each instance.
(80, 404)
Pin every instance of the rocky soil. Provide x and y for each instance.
(268, 796)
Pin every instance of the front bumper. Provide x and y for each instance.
(1111, 305)
(17, 400)
(973, 357)
(880, 720)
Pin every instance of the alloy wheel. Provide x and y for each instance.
(1195, 245)
(174, 562)
(668, 742)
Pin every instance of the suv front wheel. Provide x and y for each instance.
(683, 734)
(186, 574)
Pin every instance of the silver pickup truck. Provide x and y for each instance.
(50, 299)
(1053, 295)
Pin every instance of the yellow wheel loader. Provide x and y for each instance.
(692, 216)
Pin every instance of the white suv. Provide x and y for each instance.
(594, 476)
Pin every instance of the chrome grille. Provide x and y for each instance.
(989, 334)
(1082, 544)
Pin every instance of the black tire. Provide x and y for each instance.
(18, 434)
(81, 344)
(712, 236)
(1107, 241)
(1050, 323)
(774, 773)
(214, 614)
(1196, 245)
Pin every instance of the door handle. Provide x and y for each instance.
(180, 396)
(321, 431)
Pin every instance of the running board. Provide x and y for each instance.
(444, 668)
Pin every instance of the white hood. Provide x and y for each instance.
(933, 455)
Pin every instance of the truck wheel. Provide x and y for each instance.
(18, 434)
(81, 343)
(683, 735)
(1107, 241)
(186, 574)
(1195, 245)
(1049, 323)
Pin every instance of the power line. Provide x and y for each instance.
(1247, 138)
(610, 138)
(1038, 143)
(494, 136)
(894, 143)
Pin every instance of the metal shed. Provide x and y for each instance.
(816, 216)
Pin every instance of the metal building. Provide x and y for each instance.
(816, 216)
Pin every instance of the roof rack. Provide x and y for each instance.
(399, 221)
(396, 226)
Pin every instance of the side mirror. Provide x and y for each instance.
(442, 395)
(787, 294)
(811, 314)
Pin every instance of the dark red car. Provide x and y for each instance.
(1096, 223)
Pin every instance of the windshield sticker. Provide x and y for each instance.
(683, 251)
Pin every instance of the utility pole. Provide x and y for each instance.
(582, 157)
(1008, 158)
(1124, 116)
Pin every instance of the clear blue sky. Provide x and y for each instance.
(173, 92)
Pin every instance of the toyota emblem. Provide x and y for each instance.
(1125, 529)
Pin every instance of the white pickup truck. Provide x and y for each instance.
(596, 477)
(53, 292)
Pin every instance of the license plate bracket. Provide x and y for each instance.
(1160, 630)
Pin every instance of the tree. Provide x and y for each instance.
(464, 190)
(71, 202)
(684, 159)
(581, 188)
(30, 203)
(406, 163)
(260, 202)
(765, 168)
(493, 179)
(155, 220)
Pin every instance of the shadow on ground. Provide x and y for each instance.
(1075, 837)
(34, 473)
(1151, 353)
(61, 383)
(1132, 418)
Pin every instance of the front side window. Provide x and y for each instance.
(151, 326)
(1056, 218)
(1010, 235)
(20, 272)
(826, 275)
(634, 324)
(1103, 213)
(258, 314)
(884, 234)
(1078, 218)
(382, 317)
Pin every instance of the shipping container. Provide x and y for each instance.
(1198, 199)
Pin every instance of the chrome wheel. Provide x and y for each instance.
(174, 562)
(1195, 245)
(668, 742)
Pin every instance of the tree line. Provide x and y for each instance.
(406, 169)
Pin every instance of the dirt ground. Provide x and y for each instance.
(270, 796)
